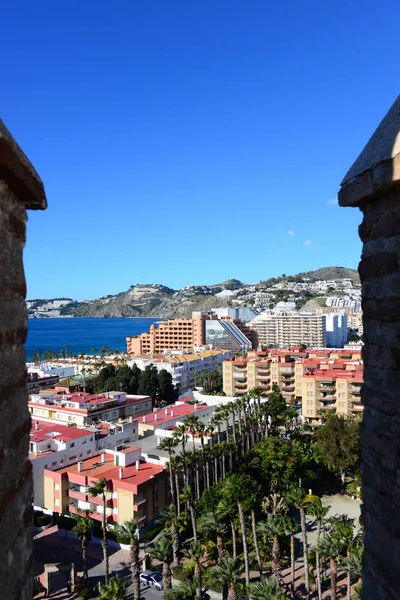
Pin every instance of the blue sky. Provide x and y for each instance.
(180, 142)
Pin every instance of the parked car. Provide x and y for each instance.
(152, 579)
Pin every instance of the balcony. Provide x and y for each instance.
(138, 503)
(263, 377)
(239, 375)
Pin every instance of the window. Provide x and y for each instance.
(57, 487)
(62, 461)
(56, 502)
(72, 457)
(91, 439)
(45, 466)
(72, 445)
(53, 464)
(89, 452)
(84, 442)
(310, 393)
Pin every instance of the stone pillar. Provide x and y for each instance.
(20, 189)
(373, 185)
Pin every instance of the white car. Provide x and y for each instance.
(152, 579)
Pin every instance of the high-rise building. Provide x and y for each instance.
(330, 390)
(290, 330)
(201, 330)
(336, 330)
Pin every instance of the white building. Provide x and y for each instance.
(244, 313)
(52, 446)
(185, 369)
(336, 330)
(290, 330)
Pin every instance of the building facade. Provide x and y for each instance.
(330, 390)
(290, 330)
(185, 368)
(337, 333)
(84, 409)
(184, 334)
(136, 489)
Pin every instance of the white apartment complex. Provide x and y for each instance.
(290, 330)
(185, 368)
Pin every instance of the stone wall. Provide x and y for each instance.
(373, 184)
(20, 188)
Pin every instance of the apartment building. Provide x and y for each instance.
(87, 409)
(184, 334)
(337, 332)
(260, 370)
(35, 383)
(185, 368)
(331, 389)
(137, 489)
(290, 330)
(170, 416)
(286, 368)
(52, 446)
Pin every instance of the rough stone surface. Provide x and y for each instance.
(373, 183)
(15, 469)
(18, 173)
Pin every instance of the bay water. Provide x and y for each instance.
(82, 334)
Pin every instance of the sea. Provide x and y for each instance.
(82, 334)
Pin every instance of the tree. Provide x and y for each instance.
(162, 551)
(100, 489)
(318, 511)
(336, 544)
(130, 529)
(170, 521)
(291, 528)
(274, 527)
(167, 391)
(148, 383)
(276, 404)
(81, 530)
(185, 590)
(213, 526)
(195, 553)
(235, 490)
(226, 574)
(337, 444)
(299, 499)
(187, 496)
(268, 589)
(353, 566)
(115, 589)
(168, 444)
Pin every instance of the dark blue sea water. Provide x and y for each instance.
(82, 335)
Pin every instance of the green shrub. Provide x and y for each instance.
(86, 592)
(41, 519)
(66, 522)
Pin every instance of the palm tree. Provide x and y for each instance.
(187, 496)
(353, 566)
(168, 444)
(170, 519)
(318, 511)
(212, 525)
(100, 489)
(181, 437)
(268, 589)
(81, 530)
(115, 589)
(235, 491)
(185, 590)
(335, 544)
(130, 529)
(195, 553)
(299, 499)
(274, 528)
(162, 551)
(291, 528)
(226, 574)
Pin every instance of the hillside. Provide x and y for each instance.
(154, 300)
